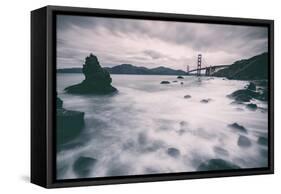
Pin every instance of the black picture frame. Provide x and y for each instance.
(43, 96)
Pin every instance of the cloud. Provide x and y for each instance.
(154, 43)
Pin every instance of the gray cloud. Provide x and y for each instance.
(154, 43)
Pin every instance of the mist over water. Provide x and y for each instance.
(150, 127)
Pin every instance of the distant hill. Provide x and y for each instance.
(131, 69)
(255, 68)
(70, 70)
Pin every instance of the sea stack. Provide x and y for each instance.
(97, 80)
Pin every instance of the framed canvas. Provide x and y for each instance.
(126, 96)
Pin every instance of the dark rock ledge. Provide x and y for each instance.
(69, 123)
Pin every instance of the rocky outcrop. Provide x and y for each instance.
(250, 92)
(83, 166)
(217, 164)
(97, 80)
(69, 123)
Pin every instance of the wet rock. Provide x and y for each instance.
(205, 101)
(238, 127)
(217, 164)
(244, 141)
(183, 123)
(252, 106)
(187, 96)
(165, 82)
(173, 152)
(263, 141)
(118, 169)
(97, 80)
(59, 103)
(180, 77)
(142, 138)
(221, 151)
(83, 166)
(252, 86)
(244, 95)
(69, 123)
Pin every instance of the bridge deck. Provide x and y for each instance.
(203, 68)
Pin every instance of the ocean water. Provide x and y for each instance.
(130, 133)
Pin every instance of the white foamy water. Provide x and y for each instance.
(129, 133)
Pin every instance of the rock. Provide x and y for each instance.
(217, 164)
(187, 96)
(83, 166)
(165, 82)
(173, 152)
(244, 95)
(175, 81)
(181, 83)
(206, 100)
(97, 80)
(221, 151)
(244, 141)
(263, 141)
(252, 86)
(59, 103)
(180, 77)
(238, 127)
(69, 125)
(252, 106)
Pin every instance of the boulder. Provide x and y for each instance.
(217, 164)
(244, 95)
(187, 96)
(83, 166)
(252, 106)
(59, 103)
(97, 80)
(165, 82)
(205, 101)
(220, 151)
(69, 125)
(173, 152)
(244, 141)
(252, 86)
(180, 77)
(263, 141)
(238, 127)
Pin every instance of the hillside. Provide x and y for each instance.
(255, 68)
(131, 69)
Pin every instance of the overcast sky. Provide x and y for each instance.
(154, 43)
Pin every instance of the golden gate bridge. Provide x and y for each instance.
(202, 65)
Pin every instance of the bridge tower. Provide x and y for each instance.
(199, 61)
(187, 69)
